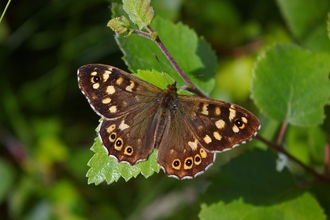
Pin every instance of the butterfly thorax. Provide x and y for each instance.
(167, 98)
(166, 103)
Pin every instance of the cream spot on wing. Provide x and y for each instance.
(232, 113)
(217, 111)
(110, 90)
(106, 75)
(123, 126)
(217, 135)
(113, 109)
(111, 128)
(203, 153)
(93, 73)
(204, 109)
(235, 129)
(118, 148)
(193, 145)
(96, 85)
(244, 120)
(119, 81)
(131, 86)
(220, 124)
(207, 139)
(106, 101)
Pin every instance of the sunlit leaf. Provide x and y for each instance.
(139, 11)
(292, 84)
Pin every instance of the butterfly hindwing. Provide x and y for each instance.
(180, 154)
(125, 140)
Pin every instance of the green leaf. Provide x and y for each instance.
(300, 23)
(7, 178)
(306, 144)
(249, 187)
(322, 193)
(238, 71)
(194, 55)
(296, 205)
(139, 11)
(292, 84)
(105, 168)
(169, 9)
(154, 77)
(328, 25)
(119, 24)
(309, 28)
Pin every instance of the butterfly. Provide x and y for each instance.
(138, 117)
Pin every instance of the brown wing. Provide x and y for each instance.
(218, 125)
(112, 92)
(180, 154)
(129, 138)
(126, 105)
(197, 130)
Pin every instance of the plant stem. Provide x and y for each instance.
(281, 149)
(282, 133)
(169, 58)
(4, 11)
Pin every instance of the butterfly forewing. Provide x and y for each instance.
(112, 92)
(138, 117)
(125, 104)
(219, 125)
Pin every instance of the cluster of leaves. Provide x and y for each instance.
(283, 89)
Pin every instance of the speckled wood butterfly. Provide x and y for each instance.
(188, 131)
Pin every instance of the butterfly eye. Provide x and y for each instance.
(112, 136)
(119, 142)
(239, 123)
(188, 163)
(128, 150)
(176, 164)
(197, 159)
(95, 79)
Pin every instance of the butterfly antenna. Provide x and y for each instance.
(160, 65)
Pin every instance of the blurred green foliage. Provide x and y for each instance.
(47, 127)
